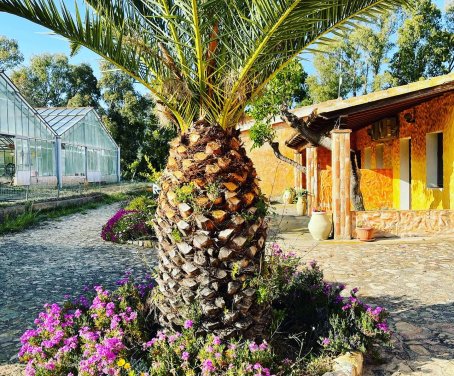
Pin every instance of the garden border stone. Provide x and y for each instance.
(349, 364)
(15, 210)
(142, 243)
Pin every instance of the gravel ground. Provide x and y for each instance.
(45, 263)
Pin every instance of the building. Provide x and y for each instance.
(49, 146)
(88, 152)
(402, 137)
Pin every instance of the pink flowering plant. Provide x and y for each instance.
(187, 354)
(302, 302)
(127, 225)
(116, 333)
(77, 338)
(356, 326)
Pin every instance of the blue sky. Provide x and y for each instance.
(33, 40)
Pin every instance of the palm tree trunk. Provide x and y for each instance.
(320, 139)
(211, 229)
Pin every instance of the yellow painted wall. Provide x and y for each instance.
(432, 116)
(275, 176)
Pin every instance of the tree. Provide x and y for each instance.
(10, 55)
(83, 90)
(288, 89)
(356, 60)
(278, 97)
(131, 120)
(45, 81)
(50, 80)
(424, 45)
(203, 61)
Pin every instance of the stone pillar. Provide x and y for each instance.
(340, 162)
(311, 178)
(297, 173)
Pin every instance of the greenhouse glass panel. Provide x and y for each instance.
(74, 160)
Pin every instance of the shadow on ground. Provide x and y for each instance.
(423, 338)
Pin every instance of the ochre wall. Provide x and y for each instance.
(432, 116)
(375, 185)
(275, 175)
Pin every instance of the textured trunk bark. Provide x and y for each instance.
(211, 235)
(320, 139)
(279, 155)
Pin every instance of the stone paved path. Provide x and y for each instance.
(414, 279)
(56, 259)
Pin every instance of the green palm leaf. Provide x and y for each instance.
(200, 58)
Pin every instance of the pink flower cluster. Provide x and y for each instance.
(95, 335)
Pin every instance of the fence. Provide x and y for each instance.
(13, 194)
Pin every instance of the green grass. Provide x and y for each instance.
(32, 217)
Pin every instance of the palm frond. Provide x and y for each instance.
(201, 58)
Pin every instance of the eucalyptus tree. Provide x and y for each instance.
(203, 61)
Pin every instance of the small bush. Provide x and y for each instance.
(143, 204)
(127, 225)
(117, 333)
(87, 336)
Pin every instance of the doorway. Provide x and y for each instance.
(405, 174)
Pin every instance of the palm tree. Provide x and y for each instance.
(203, 61)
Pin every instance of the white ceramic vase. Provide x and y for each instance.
(300, 206)
(320, 225)
(287, 197)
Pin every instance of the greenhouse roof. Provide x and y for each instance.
(61, 119)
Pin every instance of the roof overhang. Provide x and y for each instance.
(359, 112)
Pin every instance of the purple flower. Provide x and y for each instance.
(188, 324)
(326, 341)
(253, 347)
(355, 290)
(216, 341)
(185, 356)
(347, 306)
(208, 366)
(383, 327)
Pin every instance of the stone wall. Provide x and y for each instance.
(15, 210)
(405, 223)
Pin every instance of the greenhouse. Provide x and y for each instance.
(50, 146)
(87, 151)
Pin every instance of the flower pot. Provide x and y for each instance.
(288, 197)
(320, 225)
(365, 234)
(300, 206)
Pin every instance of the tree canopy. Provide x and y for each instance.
(200, 59)
(10, 56)
(50, 80)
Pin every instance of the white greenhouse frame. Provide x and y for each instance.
(53, 146)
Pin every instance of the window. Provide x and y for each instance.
(379, 151)
(367, 158)
(434, 160)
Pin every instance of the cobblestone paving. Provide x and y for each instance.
(60, 257)
(413, 279)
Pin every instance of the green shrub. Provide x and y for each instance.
(142, 204)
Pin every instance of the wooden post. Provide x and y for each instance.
(341, 167)
(297, 157)
(312, 178)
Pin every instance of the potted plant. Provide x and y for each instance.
(320, 225)
(301, 201)
(289, 196)
(363, 232)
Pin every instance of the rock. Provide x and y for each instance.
(233, 287)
